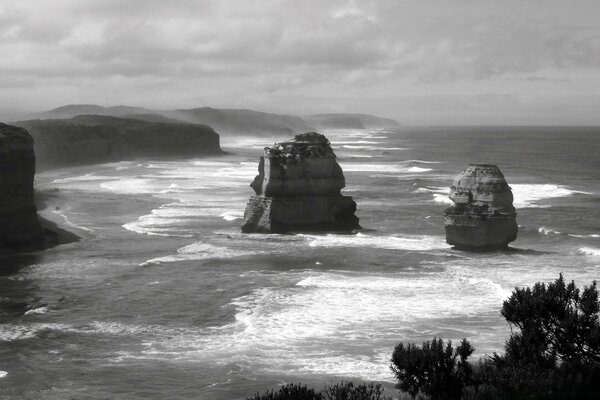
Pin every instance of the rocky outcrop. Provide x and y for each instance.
(95, 139)
(19, 224)
(298, 189)
(483, 216)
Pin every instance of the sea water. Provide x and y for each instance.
(164, 297)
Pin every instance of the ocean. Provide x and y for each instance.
(164, 297)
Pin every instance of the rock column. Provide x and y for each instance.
(298, 189)
(483, 217)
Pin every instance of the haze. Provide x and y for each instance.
(420, 62)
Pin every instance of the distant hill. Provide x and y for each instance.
(243, 122)
(231, 121)
(73, 110)
(95, 139)
(351, 121)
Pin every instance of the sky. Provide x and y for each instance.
(422, 62)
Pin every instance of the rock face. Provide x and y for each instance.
(19, 224)
(298, 189)
(96, 139)
(483, 217)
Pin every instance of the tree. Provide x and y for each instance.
(557, 322)
(435, 370)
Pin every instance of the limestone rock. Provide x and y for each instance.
(298, 189)
(96, 139)
(483, 216)
(19, 224)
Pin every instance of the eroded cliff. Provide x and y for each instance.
(19, 224)
(94, 139)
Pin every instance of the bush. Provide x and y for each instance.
(556, 322)
(435, 370)
(350, 391)
(290, 391)
(339, 391)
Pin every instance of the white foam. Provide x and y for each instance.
(406, 242)
(10, 332)
(418, 169)
(590, 251)
(372, 148)
(442, 199)
(129, 186)
(200, 251)
(232, 215)
(593, 235)
(547, 231)
(83, 178)
(423, 162)
(3, 374)
(39, 310)
(389, 168)
(529, 195)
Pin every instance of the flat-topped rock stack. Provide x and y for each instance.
(298, 189)
(483, 217)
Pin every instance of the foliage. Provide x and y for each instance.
(290, 391)
(351, 391)
(338, 391)
(435, 370)
(556, 322)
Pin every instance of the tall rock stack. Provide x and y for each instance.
(19, 224)
(483, 217)
(298, 189)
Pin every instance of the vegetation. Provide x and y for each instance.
(339, 391)
(435, 370)
(553, 353)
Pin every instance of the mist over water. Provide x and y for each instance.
(165, 297)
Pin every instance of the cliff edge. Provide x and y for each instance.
(298, 189)
(96, 139)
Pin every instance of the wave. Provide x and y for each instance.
(529, 195)
(9, 332)
(232, 215)
(39, 310)
(83, 178)
(547, 231)
(423, 162)
(371, 148)
(129, 186)
(407, 242)
(386, 168)
(590, 251)
(200, 251)
(593, 235)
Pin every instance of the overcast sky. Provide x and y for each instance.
(421, 62)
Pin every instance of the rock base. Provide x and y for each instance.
(300, 214)
(471, 232)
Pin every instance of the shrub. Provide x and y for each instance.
(435, 370)
(290, 391)
(350, 391)
(338, 391)
(555, 322)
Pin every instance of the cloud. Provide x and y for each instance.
(341, 47)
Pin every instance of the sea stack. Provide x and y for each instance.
(483, 217)
(19, 224)
(298, 189)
